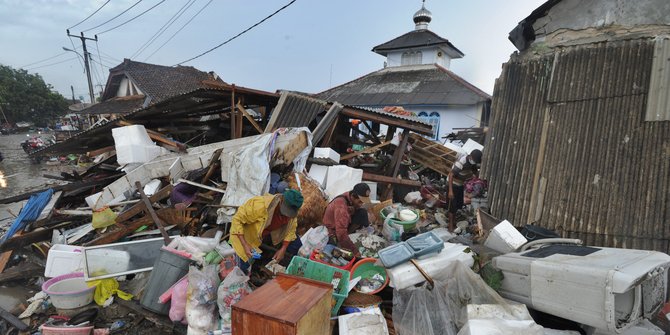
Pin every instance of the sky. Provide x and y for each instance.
(310, 46)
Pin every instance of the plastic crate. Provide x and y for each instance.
(303, 267)
(347, 267)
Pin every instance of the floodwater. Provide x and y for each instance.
(18, 175)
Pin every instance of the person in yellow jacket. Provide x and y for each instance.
(266, 217)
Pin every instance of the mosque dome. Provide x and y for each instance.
(422, 18)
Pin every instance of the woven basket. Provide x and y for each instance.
(361, 300)
(314, 204)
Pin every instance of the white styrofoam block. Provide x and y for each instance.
(504, 238)
(92, 199)
(131, 153)
(327, 153)
(454, 147)
(63, 259)
(472, 145)
(319, 173)
(373, 190)
(135, 134)
(341, 178)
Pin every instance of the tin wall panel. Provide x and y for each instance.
(606, 170)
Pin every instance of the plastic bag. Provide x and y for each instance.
(392, 231)
(103, 218)
(413, 197)
(314, 238)
(231, 290)
(105, 289)
(198, 247)
(178, 301)
(443, 310)
(201, 299)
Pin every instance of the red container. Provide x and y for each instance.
(346, 267)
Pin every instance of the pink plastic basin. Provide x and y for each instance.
(69, 291)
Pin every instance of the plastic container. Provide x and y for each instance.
(426, 243)
(345, 267)
(303, 267)
(533, 233)
(63, 259)
(505, 238)
(396, 254)
(407, 225)
(54, 330)
(366, 268)
(169, 268)
(406, 275)
(69, 291)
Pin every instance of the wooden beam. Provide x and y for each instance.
(137, 208)
(38, 235)
(392, 170)
(22, 271)
(365, 151)
(386, 179)
(7, 255)
(233, 116)
(150, 209)
(249, 117)
(202, 186)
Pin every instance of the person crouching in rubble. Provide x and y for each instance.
(457, 177)
(345, 214)
(269, 218)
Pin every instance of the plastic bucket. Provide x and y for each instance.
(168, 269)
(54, 330)
(533, 233)
(69, 291)
(407, 225)
(366, 268)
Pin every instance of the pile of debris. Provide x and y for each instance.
(149, 239)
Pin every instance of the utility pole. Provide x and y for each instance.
(88, 70)
(72, 89)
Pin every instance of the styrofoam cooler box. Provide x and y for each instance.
(505, 238)
(131, 153)
(63, 259)
(327, 153)
(319, 173)
(373, 189)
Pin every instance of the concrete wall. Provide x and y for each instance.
(430, 56)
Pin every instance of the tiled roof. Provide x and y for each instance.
(407, 85)
(414, 39)
(121, 105)
(159, 82)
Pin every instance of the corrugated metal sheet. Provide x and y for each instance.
(569, 146)
(658, 102)
(294, 110)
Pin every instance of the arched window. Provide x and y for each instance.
(434, 120)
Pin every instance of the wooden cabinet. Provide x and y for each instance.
(286, 305)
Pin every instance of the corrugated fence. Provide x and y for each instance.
(570, 149)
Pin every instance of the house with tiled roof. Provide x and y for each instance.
(134, 85)
(417, 77)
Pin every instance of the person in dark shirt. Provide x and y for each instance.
(345, 214)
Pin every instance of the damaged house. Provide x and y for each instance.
(580, 140)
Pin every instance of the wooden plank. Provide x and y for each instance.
(365, 151)
(386, 179)
(249, 118)
(7, 255)
(100, 151)
(148, 207)
(13, 320)
(202, 186)
(538, 168)
(24, 271)
(39, 235)
(137, 208)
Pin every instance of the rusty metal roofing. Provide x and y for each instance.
(196, 103)
(120, 105)
(301, 110)
(569, 148)
(428, 84)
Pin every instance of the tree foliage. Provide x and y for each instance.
(26, 97)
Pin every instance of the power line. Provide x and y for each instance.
(238, 35)
(82, 21)
(162, 29)
(104, 23)
(100, 58)
(138, 15)
(41, 66)
(43, 60)
(180, 29)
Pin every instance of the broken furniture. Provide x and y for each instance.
(286, 305)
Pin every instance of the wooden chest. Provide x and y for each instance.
(286, 305)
